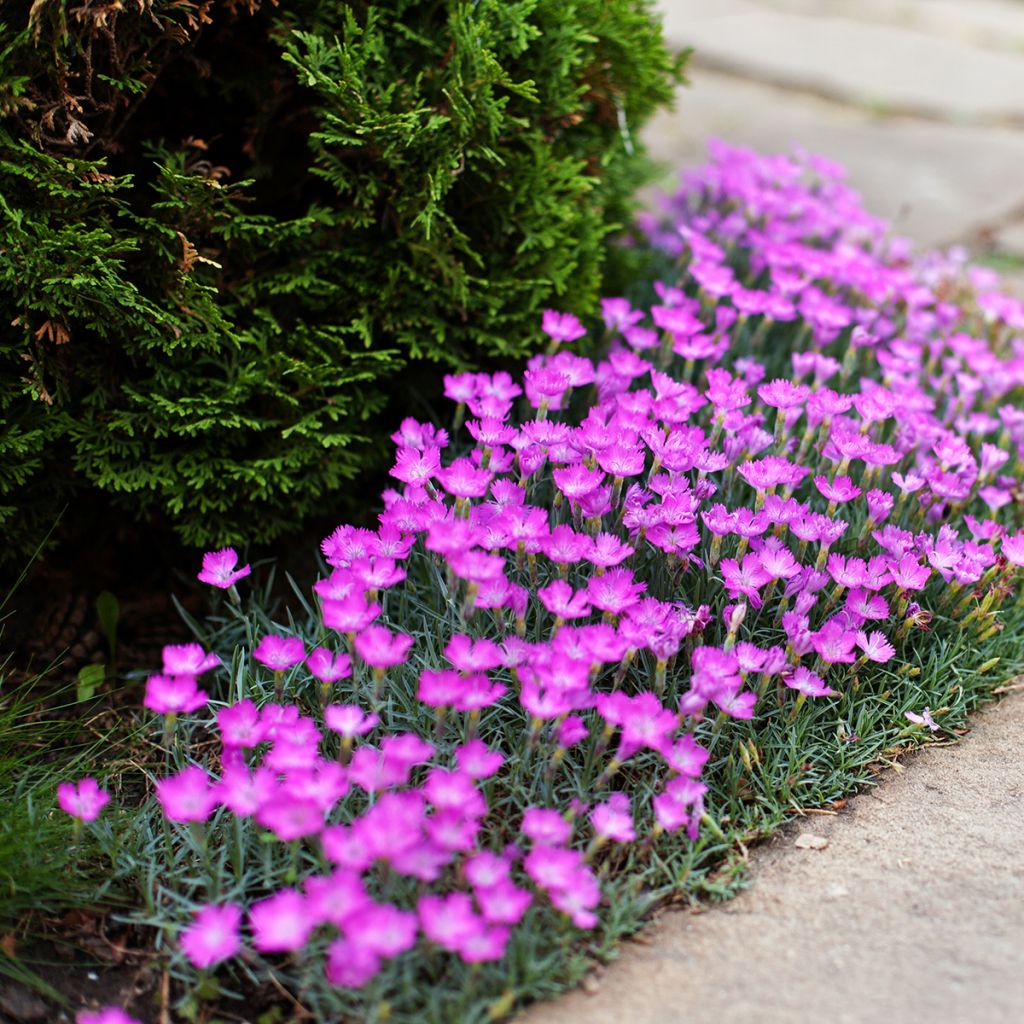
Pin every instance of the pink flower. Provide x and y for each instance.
(213, 935)
(187, 660)
(279, 652)
(349, 720)
(867, 605)
(925, 719)
(685, 756)
(1013, 548)
(834, 643)
(243, 794)
(382, 929)
(380, 648)
(469, 655)
(477, 760)
(449, 921)
(783, 394)
(808, 683)
(168, 695)
(281, 923)
(328, 667)
(561, 327)
(351, 965)
(644, 722)
(842, 489)
(501, 902)
(350, 614)
(462, 479)
(108, 1015)
(546, 826)
(908, 573)
(746, 579)
(290, 817)
(487, 944)
(416, 467)
(614, 819)
(187, 796)
(83, 799)
(875, 647)
(681, 804)
(219, 568)
(562, 601)
(615, 591)
(240, 725)
(335, 897)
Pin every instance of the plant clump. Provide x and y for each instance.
(625, 612)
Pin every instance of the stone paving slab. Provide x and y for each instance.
(937, 183)
(992, 24)
(913, 912)
(882, 65)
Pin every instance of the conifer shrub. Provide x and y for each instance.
(231, 232)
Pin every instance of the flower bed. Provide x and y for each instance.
(624, 617)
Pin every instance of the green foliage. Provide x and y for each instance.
(229, 230)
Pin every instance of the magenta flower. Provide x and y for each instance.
(351, 614)
(244, 793)
(1013, 548)
(643, 720)
(83, 799)
(615, 591)
(546, 826)
(380, 648)
(485, 945)
(840, 490)
(349, 720)
(867, 605)
(908, 573)
(416, 467)
(477, 760)
(335, 897)
(685, 756)
(350, 964)
(170, 695)
(449, 921)
(240, 725)
(771, 471)
(108, 1015)
(279, 652)
(875, 647)
(328, 667)
(462, 479)
(382, 929)
(219, 568)
(614, 819)
(469, 655)
(281, 923)
(562, 601)
(187, 660)
(680, 805)
(290, 817)
(744, 580)
(561, 327)
(213, 935)
(501, 902)
(834, 643)
(808, 683)
(783, 394)
(187, 796)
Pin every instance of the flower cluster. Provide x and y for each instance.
(761, 486)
